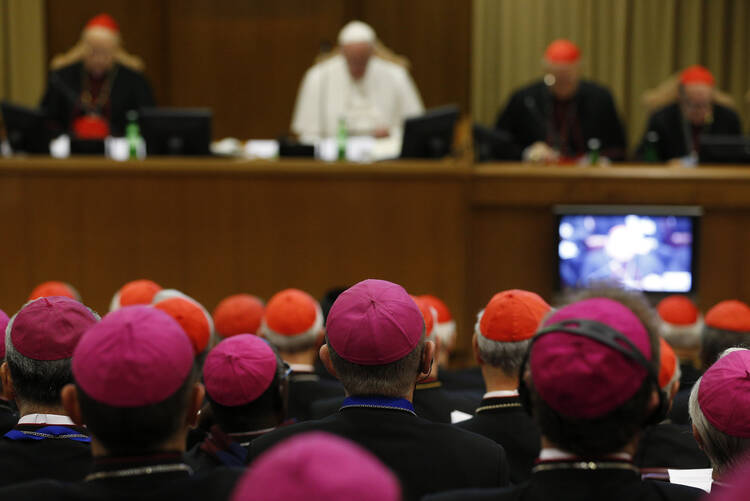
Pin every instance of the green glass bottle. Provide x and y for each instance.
(651, 153)
(595, 146)
(343, 136)
(133, 134)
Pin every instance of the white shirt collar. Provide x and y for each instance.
(46, 419)
(301, 368)
(553, 454)
(501, 394)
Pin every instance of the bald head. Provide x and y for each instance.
(100, 45)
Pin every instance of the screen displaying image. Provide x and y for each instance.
(652, 253)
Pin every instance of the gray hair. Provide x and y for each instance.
(36, 381)
(506, 356)
(723, 450)
(390, 380)
(669, 388)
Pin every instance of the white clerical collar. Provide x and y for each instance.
(46, 419)
(301, 368)
(553, 454)
(501, 394)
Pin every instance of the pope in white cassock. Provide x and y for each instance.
(372, 95)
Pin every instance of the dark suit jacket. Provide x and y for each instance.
(527, 117)
(427, 457)
(462, 379)
(307, 388)
(669, 445)
(504, 421)
(130, 91)
(668, 124)
(679, 412)
(577, 485)
(216, 485)
(58, 459)
(8, 416)
(431, 401)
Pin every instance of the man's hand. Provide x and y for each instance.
(541, 152)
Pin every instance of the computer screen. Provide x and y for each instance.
(650, 249)
(176, 131)
(723, 149)
(430, 135)
(25, 128)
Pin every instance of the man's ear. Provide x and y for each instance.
(653, 401)
(325, 358)
(321, 337)
(428, 356)
(9, 393)
(197, 394)
(71, 404)
(475, 349)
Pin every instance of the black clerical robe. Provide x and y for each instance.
(37, 451)
(676, 136)
(148, 478)
(431, 401)
(669, 445)
(603, 483)
(427, 457)
(306, 388)
(533, 114)
(503, 420)
(8, 416)
(62, 101)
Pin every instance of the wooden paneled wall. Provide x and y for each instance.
(245, 59)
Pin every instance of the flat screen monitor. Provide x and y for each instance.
(492, 145)
(176, 131)
(719, 149)
(25, 128)
(430, 135)
(647, 248)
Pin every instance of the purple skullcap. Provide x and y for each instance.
(49, 328)
(317, 466)
(239, 369)
(136, 356)
(374, 322)
(724, 394)
(583, 378)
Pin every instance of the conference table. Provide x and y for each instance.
(216, 226)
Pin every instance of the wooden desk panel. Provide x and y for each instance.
(212, 227)
(215, 227)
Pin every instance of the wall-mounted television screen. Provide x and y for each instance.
(645, 248)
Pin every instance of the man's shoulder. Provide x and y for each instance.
(534, 89)
(500, 493)
(70, 70)
(666, 113)
(268, 439)
(593, 89)
(49, 490)
(395, 69)
(441, 434)
(669, 491)
(217, 483)
(725, 112)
